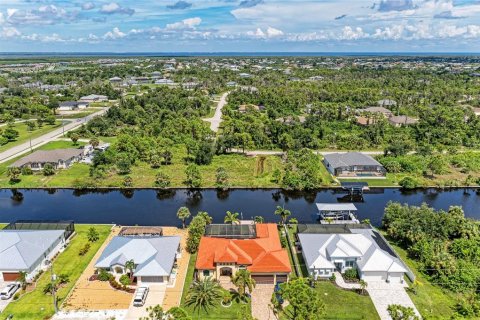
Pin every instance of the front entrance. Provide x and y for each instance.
(226, 272)
(339, 266)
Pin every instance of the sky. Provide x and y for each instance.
(239, 26)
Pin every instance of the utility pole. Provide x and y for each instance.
(53, 278)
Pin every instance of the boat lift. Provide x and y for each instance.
(337, 213)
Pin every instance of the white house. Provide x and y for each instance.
(27, 251)
(154, 257)
(362, 248)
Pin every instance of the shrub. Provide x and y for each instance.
(83, 251)
(127, 181)
(63, 278)
(93, 235)
(408, 183)
(283, 241)
(351, 274)
(48, 170)
(26, 171)
(104, 275)
(162, 180)
(125, 280)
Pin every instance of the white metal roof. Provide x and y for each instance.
(153, 256)
(336, 207)
(21, 249)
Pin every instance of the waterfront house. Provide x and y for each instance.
(29, 246)
(225, 249)
(154, 258)
(58, 158)
(330, 248)
(353, 165)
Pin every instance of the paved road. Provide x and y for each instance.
(217, 117)
(50, 136)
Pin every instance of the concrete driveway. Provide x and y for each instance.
(261, 297)
(384, 294)
(155, 296)
(217, 117)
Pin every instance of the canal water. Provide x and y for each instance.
(151, 207)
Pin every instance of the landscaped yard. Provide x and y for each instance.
(431, 301)
(339, 303)
(36, 304)
(218, 312)
(24, 134)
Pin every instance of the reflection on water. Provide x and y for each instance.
(159, 207)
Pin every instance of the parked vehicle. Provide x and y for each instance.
(9, 291)
(140, 296)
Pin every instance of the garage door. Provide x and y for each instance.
(152, 279)
(282, 278)
(374, 276)
(263, 279)
(10, 276)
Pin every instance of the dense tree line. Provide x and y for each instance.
(445, 243)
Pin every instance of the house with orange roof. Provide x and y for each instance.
(225, 249)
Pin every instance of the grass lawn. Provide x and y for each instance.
(37, 305)
(218, 312)
(243, 171)
(431, 301)
(24, 135)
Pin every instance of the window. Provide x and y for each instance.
(349, 264)
(206, 273)
(320, 272)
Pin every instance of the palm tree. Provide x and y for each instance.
(283, 213)
(22, 279)
(363, 285)
(183, 214)
(130, 266)
(208, 219)
(258, 219)
(94, 142)
(203, 294)
(231, 218)
(243, 281)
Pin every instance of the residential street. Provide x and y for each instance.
(50, 136)
(217, 117)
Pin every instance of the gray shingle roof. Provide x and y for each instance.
(337, 160)
(20, 249)
(153, 256)
(51, 156)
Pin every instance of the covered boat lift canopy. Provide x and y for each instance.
(337, 212)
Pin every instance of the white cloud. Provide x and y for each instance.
(9, 32)
(349, 33)
(190, 23)
(113, 8)
(88, 6)
(114, 34)
(272, 32)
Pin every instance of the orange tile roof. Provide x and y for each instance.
(263, 254)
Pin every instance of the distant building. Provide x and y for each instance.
(291, 120)
(67, 105)
(387, 103)
(93, 98)
(379, 110)
(164, 81)
(231, 84)
(58, 158)
(353, 165)
(249, 107)
(399, 121)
